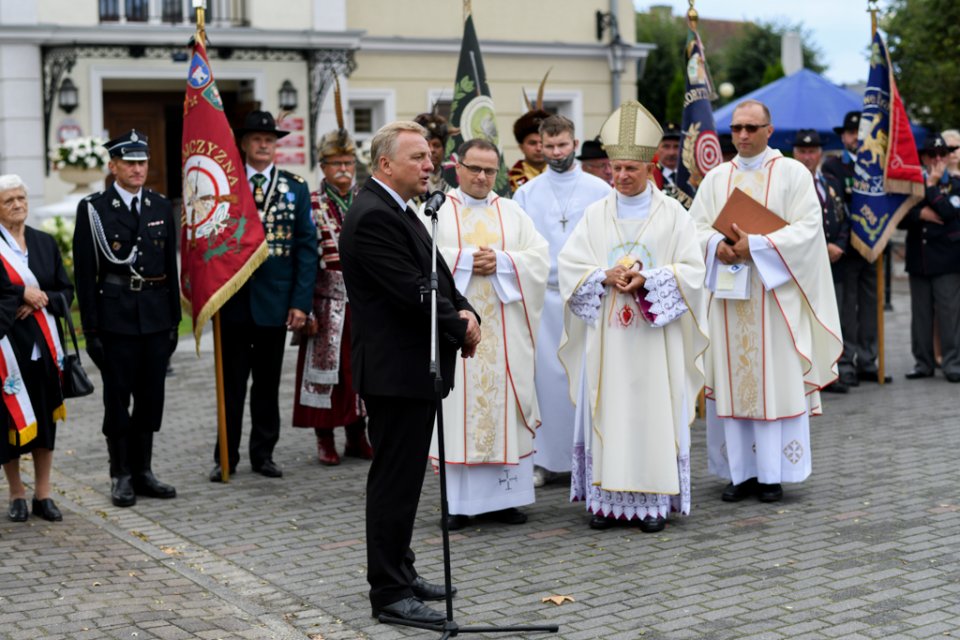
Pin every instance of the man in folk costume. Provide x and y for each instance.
(526, 130)
(555, 202)
(500, 263)
(664, 167)
(324, 397)
(774, 328)
(631, 277)
(438, 132)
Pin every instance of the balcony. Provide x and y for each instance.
(220, 13)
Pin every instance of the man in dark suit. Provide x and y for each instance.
(125, 264)
(277, 297)
(836, 222)
(385, 254)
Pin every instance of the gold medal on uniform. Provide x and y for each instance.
(115, 246)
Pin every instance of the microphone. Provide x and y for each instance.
(433, 204)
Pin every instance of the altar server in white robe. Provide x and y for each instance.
(631, 277)
(555, 200)
(774, 328)
(500, 263)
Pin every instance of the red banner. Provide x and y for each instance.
(222, 238)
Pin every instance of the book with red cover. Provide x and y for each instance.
(748, 214)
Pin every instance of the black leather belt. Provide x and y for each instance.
(136, 283)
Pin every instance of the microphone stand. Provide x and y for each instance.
(449, 628)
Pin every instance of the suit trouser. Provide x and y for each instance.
(134, 367)
(248, 350)
(400, 431)
(858, 315)
(941, 294)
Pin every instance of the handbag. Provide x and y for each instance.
(76, 383)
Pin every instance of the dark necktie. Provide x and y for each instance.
(133, 207)
(258, 181)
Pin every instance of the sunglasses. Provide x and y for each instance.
(475, 171)
(749, 128)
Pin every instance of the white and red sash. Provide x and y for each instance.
(13, 390)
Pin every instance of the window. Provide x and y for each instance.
(109, 10)
(363, 118)
(566, 103)
(173, 11)
(137, 10)
(368, 110)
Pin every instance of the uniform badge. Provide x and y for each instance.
(269, 217)
(146, 201)
(291, 197)
(115, 203)
(955, 201)
(282, 187)
(115, 246)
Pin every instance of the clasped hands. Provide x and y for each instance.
(472, 337)
(484, 261)
(623, 279)
(737, 252)
(34, 299)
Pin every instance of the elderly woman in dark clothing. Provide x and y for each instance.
(41, 289)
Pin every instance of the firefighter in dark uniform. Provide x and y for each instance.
(933, 262)
(277, 297)
(858, 314)
(667, 161)
(125, 261)
(807, 149)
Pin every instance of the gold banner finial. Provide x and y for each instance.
(467, 9)
(692, 16)
(873, 10)
(199, 5)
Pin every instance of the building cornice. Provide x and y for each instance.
(381, 44)
(172, 35)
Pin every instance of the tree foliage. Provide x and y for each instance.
(752, 59)
(664, 64)
(748, 61)
(923, 37)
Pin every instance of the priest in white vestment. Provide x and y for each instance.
(555, 200)
(500, 263)
(774, 328)
(631, 277)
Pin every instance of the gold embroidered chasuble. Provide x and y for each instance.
(492, 413)
(770, 355)
(638, 377)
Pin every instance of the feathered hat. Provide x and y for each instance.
(530, 121)
(337, 142)
(436, 125)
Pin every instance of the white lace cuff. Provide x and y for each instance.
(585, 301)
(660, 300)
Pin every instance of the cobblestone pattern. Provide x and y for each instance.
(866, 548)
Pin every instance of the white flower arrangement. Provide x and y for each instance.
(85, 152)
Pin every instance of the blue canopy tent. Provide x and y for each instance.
(804, 100)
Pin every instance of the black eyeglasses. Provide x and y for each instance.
(749, 128)
(475, 171)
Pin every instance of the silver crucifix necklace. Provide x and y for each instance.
(564, 205)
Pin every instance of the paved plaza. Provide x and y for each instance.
(868, 547)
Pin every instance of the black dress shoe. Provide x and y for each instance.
(18, 511)
(506, 516)
(836, 387)
(600, 522)
(737, 492)
(146, 484)
(952, 377)
(850, 379)
(411, 610)
(456, 521)
(269, 469)
(216, 474)
(873, 376)
(428, 591)
(46, 509)
(769, 492)
(916, 374)
(653, 525)
(121, 491)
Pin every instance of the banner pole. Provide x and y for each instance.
(221, 408)
(881, 274)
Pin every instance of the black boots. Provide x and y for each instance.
(144, 482)
(130, 473)
(121, 483)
